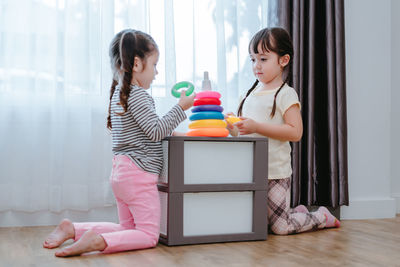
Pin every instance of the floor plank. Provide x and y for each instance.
(356, 243)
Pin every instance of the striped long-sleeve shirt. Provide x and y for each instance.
(138, 132)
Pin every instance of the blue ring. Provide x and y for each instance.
(206, 115)
(207, 108)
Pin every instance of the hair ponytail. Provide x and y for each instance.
(113, 85)
(239, 112)
(127, 56)
(277, 92)
(274, 105)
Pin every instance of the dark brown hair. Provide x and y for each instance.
(275, 40)
(125, 46)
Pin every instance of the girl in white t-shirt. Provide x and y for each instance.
(271, 108)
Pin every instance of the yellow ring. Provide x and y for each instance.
(232, 120)
(207, 124)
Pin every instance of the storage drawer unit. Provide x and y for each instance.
(213, 190)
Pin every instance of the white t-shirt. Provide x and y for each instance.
(258, 106)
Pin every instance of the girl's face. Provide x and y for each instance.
(267, 67)
(144, 72)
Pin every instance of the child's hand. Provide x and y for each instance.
(246, 126)
(233, 131)
(228, 124)
(186, 101)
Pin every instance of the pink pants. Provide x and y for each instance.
(138, 206)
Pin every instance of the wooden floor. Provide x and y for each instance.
(356, 243)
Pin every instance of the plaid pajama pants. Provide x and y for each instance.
(282, 219)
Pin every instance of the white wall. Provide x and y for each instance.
(368, 63)
(395, 105)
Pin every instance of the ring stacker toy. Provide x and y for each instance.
(210, 132)
(207, 101)
(206, 84)
(232, 119)
(175, 91)
(207, 108)
(208, 94)
(206, 115)
(207, 123)
(207, 118)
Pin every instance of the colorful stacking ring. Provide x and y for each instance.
(184, 84)
(206, 115)
(207, 124)
(207, 101)
(208, 94)
(207, 108)
(210, 132)
(232, 119)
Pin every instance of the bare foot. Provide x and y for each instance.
(301, 209)
(64, 231)
(331, 220)
(89, 241)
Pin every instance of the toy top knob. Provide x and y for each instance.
(206, 84)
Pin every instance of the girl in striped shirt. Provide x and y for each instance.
(137, 132)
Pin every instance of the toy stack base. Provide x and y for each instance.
(207, 118)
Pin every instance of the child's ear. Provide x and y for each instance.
(284, 60)
(137, 65)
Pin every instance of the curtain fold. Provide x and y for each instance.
(320, 158)
(55, 150)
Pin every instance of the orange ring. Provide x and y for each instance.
(209, 132)
(207, 124)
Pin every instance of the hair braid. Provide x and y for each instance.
(274, 105)
(239, 112)
(277, 92)
(125, 89)
(128, 39)
(113, 85)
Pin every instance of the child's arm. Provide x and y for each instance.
(291, 130)
(140, 105)
(175, 133)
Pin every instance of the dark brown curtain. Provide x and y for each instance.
(320, 159)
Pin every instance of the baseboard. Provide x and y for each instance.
(397, 199)
(43, 218)
(369, 209)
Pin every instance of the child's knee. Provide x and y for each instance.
(154, 240)
(153, 236)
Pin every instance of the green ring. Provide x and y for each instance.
(177, 86)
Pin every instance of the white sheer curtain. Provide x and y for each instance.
(55, 151)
